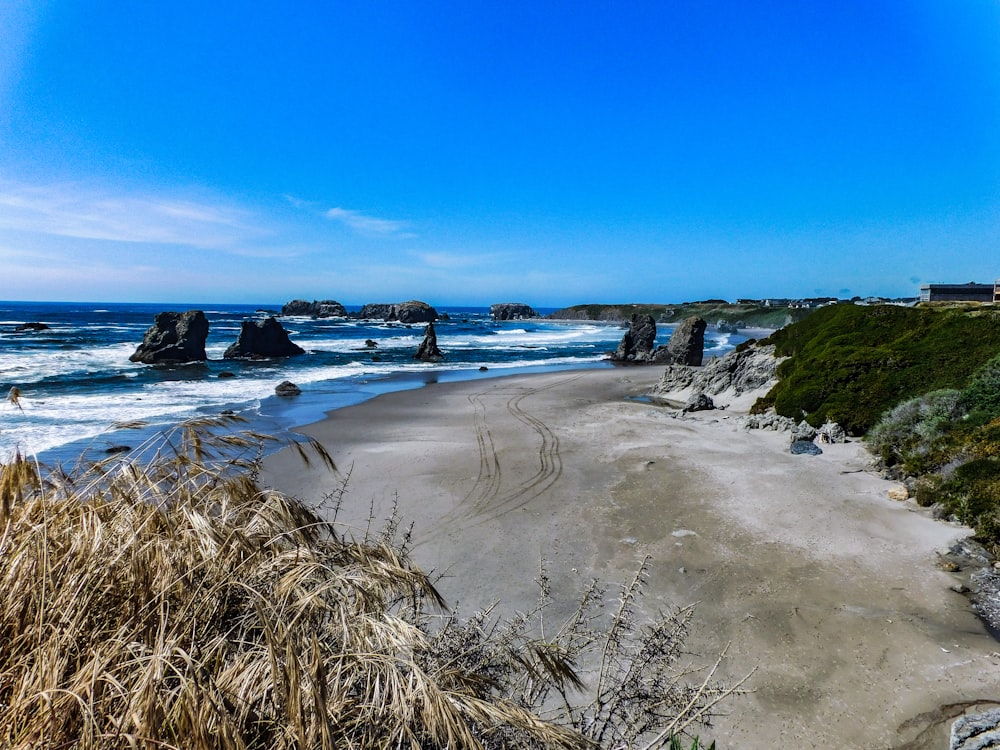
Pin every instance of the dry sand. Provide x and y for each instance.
(802, 563)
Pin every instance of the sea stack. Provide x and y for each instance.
(262, 339)
(174, 338)
(428, 350)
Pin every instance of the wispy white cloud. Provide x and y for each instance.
(448, 260)
(371, 225)
(83, 212)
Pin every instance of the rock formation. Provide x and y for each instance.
(698, 402)
(637, 343)
(327, 308)
(511, 311)
(413, 311)
(174, 338)
(686, 345)
(804, 448)
(260, 339)
(428, 350)
(741, 371)
(31, 327)
(287, 388)
(979, 731)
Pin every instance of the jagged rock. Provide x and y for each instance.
(637, 343)
(976, 731)
(375, 311)
(174, 338)
(724, 326)
(749, 369)
(686, 345)
(831, 432)
(413, 311)
(767, 421)
(699, 402)
(327, 308)
(31, 327)
(803, 431)
(260, 339)
(511, 311)
(371, 343)
(428, 350)
(805, 448)
(287, 388)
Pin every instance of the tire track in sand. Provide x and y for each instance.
(484, 501)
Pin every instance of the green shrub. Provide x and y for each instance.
(851, 364)
(910, 431)
(928, 491)
(982, 394)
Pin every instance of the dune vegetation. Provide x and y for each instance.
(165, 599)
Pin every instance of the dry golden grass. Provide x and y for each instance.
(165, 600)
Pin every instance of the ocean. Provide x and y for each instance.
(76, 383)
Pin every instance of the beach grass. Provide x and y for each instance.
(165, 599)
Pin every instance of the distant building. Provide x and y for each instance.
(971, 292)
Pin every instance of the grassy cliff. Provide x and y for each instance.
(712, 311)
(849, 363)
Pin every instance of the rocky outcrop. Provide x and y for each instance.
(740, 371)
(831, 432)
(724, 326)
(428, 350)
(511, 311)
(326, 308)
(979, 731)
(698, 402)
(31, 327)
(287, 388)
(174, 338)
(413, 311)
(637, 343)
(686, 345)
(262, 339)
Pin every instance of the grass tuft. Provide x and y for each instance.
(164, 599)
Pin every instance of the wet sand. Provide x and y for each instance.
(801, 563)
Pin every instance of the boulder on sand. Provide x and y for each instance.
(261, 339)
(174, 338)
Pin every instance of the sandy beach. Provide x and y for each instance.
(802, 563)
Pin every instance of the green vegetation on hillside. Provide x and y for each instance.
(166, 600)
(923, 383)
(850, 363)
(712, 311)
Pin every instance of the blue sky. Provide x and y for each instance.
(466, 152)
